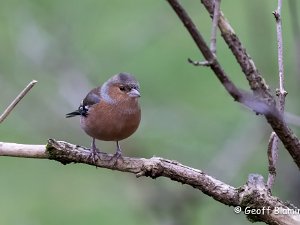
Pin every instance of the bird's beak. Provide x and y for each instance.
(134, 93)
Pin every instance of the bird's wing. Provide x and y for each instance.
(93, 97)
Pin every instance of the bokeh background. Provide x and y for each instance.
(72, 46)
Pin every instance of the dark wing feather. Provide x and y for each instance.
(93, 97)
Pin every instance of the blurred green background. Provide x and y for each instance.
(72, 46)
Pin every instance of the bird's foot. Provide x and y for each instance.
(94, 155)
(116, 157)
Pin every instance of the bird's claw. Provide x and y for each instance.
(116, 157)
(94, 156)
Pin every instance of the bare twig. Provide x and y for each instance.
(253, 194)
(13, 104)
(281, 93)
(23, 151)
(272, 159)
(256, 81)
(208, 55)
(199, 63)
(213, 38)
(247, 99)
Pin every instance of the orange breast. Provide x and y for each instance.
(112, 122)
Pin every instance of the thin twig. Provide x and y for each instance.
(256, 81)
(280, 93)
(272, 159)
(247, 99)
(13, 104)
(213, 38)
(199, 63)
(205, 50)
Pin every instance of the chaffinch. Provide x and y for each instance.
(110, 112)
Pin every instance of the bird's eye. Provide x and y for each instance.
(83, 108)
(122, 88)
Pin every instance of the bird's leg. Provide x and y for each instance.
(94, 152)
(117, 155)
(119, 151)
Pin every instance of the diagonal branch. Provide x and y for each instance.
(253, 195)
(17, 100)
(256, 81)
(213, 63)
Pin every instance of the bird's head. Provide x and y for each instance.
(121, 87)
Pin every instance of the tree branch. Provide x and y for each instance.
(213, 38)
(252, 195)
(256, 81)
(257, 84)
(211, 61)
(265, 102)
(272, 159)
(13, 104)
(281, 93)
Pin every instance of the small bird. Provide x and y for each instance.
(110, 112)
